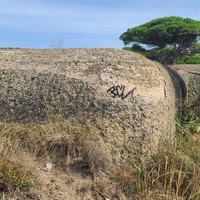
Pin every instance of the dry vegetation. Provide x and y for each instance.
(173, 173)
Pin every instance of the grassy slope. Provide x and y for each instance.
(173, 173)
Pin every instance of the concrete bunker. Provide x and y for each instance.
(133, 97)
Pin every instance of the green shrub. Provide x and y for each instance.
(189, 60)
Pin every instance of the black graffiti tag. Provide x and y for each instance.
(118, 91)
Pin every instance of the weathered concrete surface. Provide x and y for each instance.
(129, 99)
(191, 77)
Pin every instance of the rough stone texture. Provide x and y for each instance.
(191, 77)
(129, 99)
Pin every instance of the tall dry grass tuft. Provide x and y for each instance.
(169, 175)
(81, 147)
(68, 143)
(172, 173)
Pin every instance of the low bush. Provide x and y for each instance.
(195, 59)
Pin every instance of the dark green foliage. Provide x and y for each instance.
(195, 59)
(137, 47)
(163, 55)
(178, 35)
(195, 47)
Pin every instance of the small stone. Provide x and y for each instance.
(48, 167)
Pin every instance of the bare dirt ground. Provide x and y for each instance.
(61, 183)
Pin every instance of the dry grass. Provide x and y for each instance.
(62, 141)
(81, 147)
(172, 173)
(168, 176)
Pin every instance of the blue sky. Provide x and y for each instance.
(78, 23)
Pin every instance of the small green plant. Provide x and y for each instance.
(13, 176)
(188, 124)
(187, 138)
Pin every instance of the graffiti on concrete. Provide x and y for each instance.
(119, 91)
